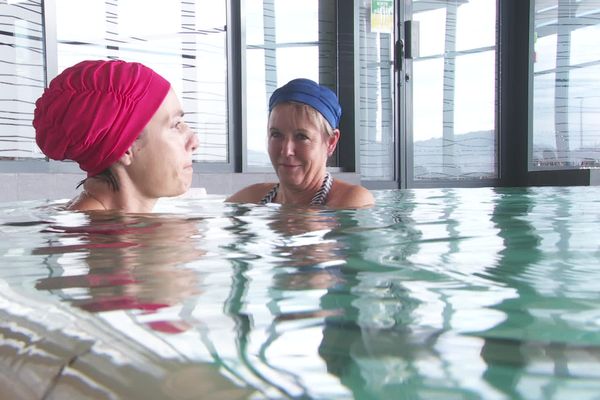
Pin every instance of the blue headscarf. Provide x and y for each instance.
(308, 92)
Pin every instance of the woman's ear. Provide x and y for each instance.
(332, 142)
(127, 157)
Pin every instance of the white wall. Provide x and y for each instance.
(41, 186)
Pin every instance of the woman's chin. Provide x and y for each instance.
(289, 176)
(290, 181)
(180, 190)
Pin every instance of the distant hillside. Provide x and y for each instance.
(468, 155)
(472, 155)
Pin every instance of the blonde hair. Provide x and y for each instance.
(313, 115)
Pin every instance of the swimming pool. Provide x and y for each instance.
(433, 293)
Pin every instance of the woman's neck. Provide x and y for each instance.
(300, 195)
(97, 195)
(89, 194)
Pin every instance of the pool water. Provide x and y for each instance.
(432, 293)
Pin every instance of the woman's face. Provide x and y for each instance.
(163, 162)
(298, 145)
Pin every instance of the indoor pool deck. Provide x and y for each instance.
(432, 293)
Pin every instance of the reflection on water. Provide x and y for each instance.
(117, 262)
(463, 293)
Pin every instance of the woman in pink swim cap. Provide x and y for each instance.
(123, 124)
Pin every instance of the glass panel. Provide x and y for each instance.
(477, 27)
(566, 104)
(454, 80)
(22, 76)
(376, 91)
(282, 43)
(185, 41)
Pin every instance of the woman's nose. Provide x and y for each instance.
(288, 147)
(193, 142)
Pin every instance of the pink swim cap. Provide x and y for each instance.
(92, 112)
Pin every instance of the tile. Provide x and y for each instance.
(8, 183)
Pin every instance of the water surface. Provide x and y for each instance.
(432, 293)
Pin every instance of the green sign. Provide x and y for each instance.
(382, 16)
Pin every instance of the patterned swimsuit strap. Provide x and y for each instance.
(318, 199)
(270, 196)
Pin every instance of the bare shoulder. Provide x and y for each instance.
(250, 194)
(83, 203)
(347, 195)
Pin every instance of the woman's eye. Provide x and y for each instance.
(179, 125)
(301, 136)
(275, 134)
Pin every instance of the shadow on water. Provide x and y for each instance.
(521, 250)
(536, 341)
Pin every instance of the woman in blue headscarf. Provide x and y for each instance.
(302, 133)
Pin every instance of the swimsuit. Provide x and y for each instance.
(318, 199)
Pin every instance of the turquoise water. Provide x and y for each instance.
(433, 293)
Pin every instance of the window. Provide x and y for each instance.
(22, 76)
(376, 91)
(284, 40)
(185, 41)
(566, 99)
(454, 91)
